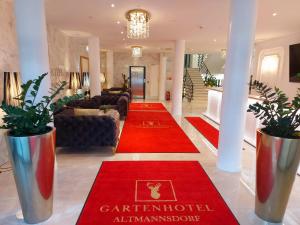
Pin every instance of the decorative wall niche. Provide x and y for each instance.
(270, 65)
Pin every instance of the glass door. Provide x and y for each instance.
(137, 81)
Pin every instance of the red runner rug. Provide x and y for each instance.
(207, 130)
(153, 132)
(147, 106)
(169, 192)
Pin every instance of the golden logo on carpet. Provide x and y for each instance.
(154, 191)
(151, 124)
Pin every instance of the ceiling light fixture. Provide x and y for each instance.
(137, 23)
(215, 40)
(112, 5)
(122, 32)
(136, 51)
(118, 22)
(274, 14)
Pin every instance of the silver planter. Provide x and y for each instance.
(32, 159)
(277, 161)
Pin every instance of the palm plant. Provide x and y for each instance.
(280, 117)
(31, 117)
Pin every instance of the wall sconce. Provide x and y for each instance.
(102, 78)
(11, 88)
(136, 51)
(85, 80)
(75, 81)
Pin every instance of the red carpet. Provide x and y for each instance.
(207, 130)
(154, 193)
(147, 106)
(153, 132)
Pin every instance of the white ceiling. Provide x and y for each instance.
(199, 22)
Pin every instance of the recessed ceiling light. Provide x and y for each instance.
(118, 22)
(215, 40)
(123, 39)
(122, 32)
(274, 14)
(112, 5)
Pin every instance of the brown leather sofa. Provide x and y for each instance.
(118, 91)
(117, 102)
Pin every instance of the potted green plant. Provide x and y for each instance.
(31, 147)
(210, 81)
(125, 82)
(277, 150)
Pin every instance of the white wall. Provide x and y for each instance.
(283, 77)
(9, 54)
(170, 68)
(153, 82)
(58, 48)
(215, 63)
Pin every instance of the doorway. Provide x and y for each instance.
(137, 77)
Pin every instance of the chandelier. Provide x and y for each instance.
(136, 51)
(137, 24)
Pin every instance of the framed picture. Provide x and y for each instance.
(295, 63)
(84, 64)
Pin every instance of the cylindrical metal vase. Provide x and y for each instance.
(32, 159)
(277, 161)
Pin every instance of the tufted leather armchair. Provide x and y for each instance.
(85, 131)
(120, 103)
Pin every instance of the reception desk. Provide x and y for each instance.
(213, 112)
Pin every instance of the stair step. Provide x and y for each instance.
(200, 97)
(197, 79)
(203, 90)
(200, 93)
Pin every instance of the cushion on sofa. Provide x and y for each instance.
(87, 112)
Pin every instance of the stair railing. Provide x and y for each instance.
(208, 78)
(188, 86)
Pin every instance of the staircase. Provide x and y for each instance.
(199, 89)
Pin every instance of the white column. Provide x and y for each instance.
(237, 69)
(162, 77)
(110, 68)
(177, 80)
(94, 66)
(32, 40)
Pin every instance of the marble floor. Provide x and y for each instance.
(75, 173)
